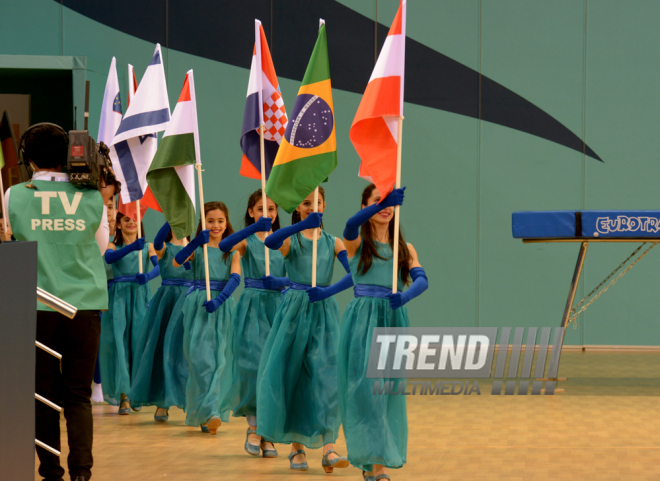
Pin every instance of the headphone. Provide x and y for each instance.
(21, 142)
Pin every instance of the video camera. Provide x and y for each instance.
(89, 164)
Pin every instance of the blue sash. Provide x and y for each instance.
(298, 287)
(175, 282)
(179, 282)
(132, 278)
(198, 285)
(259, 284)
(369, 290)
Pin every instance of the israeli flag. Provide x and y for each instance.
(135, 140)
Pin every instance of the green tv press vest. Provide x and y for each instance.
(63, 220)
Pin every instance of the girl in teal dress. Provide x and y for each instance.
(97, 389)
(121, 324)
(210, 391)
(297, 399)
(163, 371)
(255, 310)
(375, 427)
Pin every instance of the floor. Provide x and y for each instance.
(605, 426)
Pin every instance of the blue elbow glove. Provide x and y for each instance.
(201, 239)
(419, 285)
(353, 224)
(159, 241)
(320, 293)
(276, 239)
(232, 284)
(153, 273)
(264, 224)
(271, 282)
(112, 256)
(187, 266)
(343, 258)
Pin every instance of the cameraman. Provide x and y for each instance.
(71, 228)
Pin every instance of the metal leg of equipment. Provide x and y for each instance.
(553, 368)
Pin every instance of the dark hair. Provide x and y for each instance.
(254, 198)
(46, 146)
(208, 207)
(369, 249)
(118, 239)
(170, 236)
(295, 215)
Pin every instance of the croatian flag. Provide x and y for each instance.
(263, 106)
(135, 140)
(375, 128)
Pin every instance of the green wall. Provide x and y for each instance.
(591, 65)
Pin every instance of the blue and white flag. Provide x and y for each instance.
(111, 111)
(135, 140)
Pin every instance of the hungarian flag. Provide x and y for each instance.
(9, 151)
(172, 172)
(263, 106)
(308, 153)
(375, 128)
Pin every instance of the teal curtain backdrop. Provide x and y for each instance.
(590, 65)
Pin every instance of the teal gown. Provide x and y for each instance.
(297, 397)
(121, 326)
(375, 427)
(207, 344)
(162, 372)
(253, 318)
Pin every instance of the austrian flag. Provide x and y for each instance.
(375, 128)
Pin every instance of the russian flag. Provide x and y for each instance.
(263, 106)
(135, 140)
(375, 128)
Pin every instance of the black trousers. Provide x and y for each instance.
(68, 385)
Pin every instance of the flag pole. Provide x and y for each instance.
(113, 216)
(4, 207)
(198, 166)
(139, 234)
(397, 214)
(131, 92)
(315, 238)
(262, 127)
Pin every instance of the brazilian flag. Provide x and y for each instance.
(308, 152)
